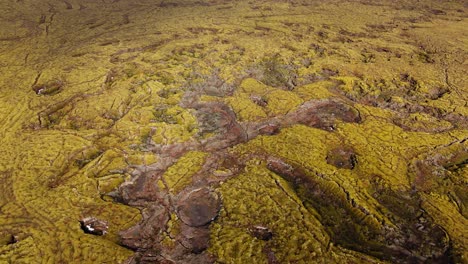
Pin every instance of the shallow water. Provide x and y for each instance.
(233, 131)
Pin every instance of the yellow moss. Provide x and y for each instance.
(450, 101)
(382, 149)
(170, 133)
(256, 198)
(318, 90)
(277, 101)
(173, 229)
(425, 122)
(168, 242)
(245, 109)
(386, 146)
(174, 99)
(446, 213)
(398, 99)
(181, 115)
(281, 102)
(161, 185)
(235, 244)
(143, 115)
(179, 175)
(108, 183)
(62, 197)
(298, 143)
(105, 164)
(252, 86)
(168, 125)
(153, 86)
(49, 184)
(145, 158)
(374, 112)
(352, 85)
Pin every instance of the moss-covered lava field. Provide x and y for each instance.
(216, 131)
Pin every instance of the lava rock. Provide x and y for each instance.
(198, 207)
(260, 101)
(343, 158)
(8, 239)
(144, 234)
(323, 115)
(50, 88)
(261, 232)
(94, 226)
(196, 239)
(269, 129)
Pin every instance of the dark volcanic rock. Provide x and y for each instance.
(323, 114)
(215, 118)
(140, 189)
(94, 226)
(261, 232)
(50, 88)
(196, 239)
(145, 234)
(198, 207)
(221, 120)
(260, 101)
(343, 158)
(269, 129)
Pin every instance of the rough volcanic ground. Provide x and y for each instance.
(182, 131)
